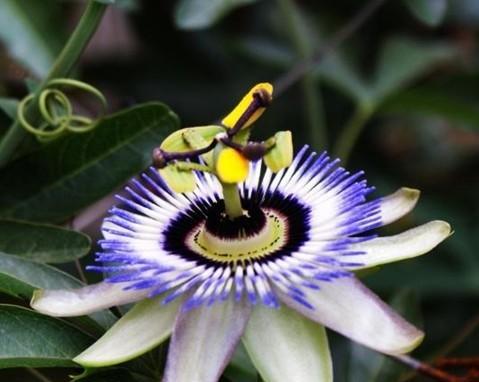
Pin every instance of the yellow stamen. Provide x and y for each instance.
(231, 166)
(232, 118)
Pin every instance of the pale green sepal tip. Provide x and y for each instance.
(414, 242)
(37, 295)
(286, 346)
(281, 154)
(398, 204)
(414, 344)
(144, 327)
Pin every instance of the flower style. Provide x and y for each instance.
(273, 275)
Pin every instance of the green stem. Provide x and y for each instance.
(232, 200)
(61, 68)
(351, 132)
(312, 97)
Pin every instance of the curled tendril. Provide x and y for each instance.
(56, 110)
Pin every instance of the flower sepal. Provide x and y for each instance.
(132, 335)
(285, 346)
(82, 301)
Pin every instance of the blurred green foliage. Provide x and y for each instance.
(400, 97)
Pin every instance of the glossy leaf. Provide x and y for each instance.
(430, 12)
(42, 243)
(72, 172)
(198, 14)
(31, 32)
(30, 339)
(20, 277)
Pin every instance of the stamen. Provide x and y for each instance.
(261, 99)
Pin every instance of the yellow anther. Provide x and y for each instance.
(265, 89)
(231, 166)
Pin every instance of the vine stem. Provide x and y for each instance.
(455, 341)
(433, 372)
(352, 130)
(64, 63)
(303, 67)
(312, 96)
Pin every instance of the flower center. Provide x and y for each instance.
(255, 235)
(272, 226)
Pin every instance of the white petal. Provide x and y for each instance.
(143, 328)
(348, 307)
(81, 301)
(411, 243)
(284, 346)
(395, 206)
(204, 340)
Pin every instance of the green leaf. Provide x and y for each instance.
(30, 339)
(198, 14)
(430, 12)
(78, 169)
(9, 107)
(20, 277)
(434, 103)
(403, 60)
(42, 243)
(240, 368)
(32, 32)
